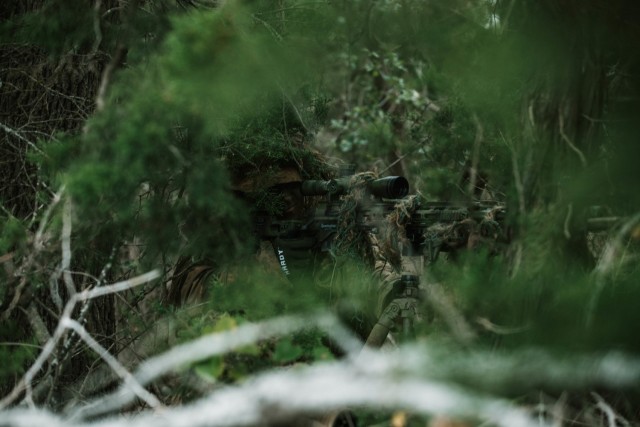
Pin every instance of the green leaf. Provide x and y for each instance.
(211, 369)
(286, 351)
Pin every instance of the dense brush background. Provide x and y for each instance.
(128, 118)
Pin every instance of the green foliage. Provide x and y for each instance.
(525, 95)
(13, 234)
(16, 351)
(544, 300)
(285, 351)
(306, 347)
(278, 136)
(381, 84)
(59, 27)
(17, 359)
(205, 104)
(218, 65)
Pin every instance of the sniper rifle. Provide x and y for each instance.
(428, 228)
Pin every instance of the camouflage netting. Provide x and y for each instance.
(278, 137)
(261, 162)
(350, 239)
(395, 232)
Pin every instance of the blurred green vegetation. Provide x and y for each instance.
(539, 98)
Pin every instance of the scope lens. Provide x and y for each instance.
(391, 187)
(399, 187)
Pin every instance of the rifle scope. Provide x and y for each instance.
(391, 187)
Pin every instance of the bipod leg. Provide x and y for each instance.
(402, 309)
(387, 319)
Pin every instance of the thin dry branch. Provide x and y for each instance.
(24, 385)
(97, 26)
(117, 58)
(475, 157)
(565, 137)
(609, 412)
(63, 268)
(17, 134)
(445, 307)
(517, 175)
(416, 367)
(39, 242)
(66, 247)
(216, 344)
(129, 380)
(419, 378)
(372, 380)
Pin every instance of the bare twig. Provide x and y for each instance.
(567, 221)
(415, 378)
(499, 329)
(129, 380)
(96, 26)
(442, 303)
(609, 412)
(395, 162)
(272, 30)
(63, 269)
(558, 409)
(571, 145)
(376, 380)
(328, 387)
(37, 324)
(119, 286)
(24, 385)
(212, 345)
(38, 244)
(475, 158)
(517, 259)
(15, 300)
(20, 137)
(516, 175)
(505, 21)
(66, 247)
(38, 241)
(71, 341)
(418, 145)
(106, 77)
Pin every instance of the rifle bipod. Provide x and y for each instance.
(403, 309)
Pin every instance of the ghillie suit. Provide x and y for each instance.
(411, 236)
(341, 267)
(354, 252)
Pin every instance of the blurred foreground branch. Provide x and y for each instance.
(424, 379)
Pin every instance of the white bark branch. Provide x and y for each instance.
(15, 133)
(129, 380)
(421, 378)
(281, 395)
(66, 248)
(212, 345)
(24, 385)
